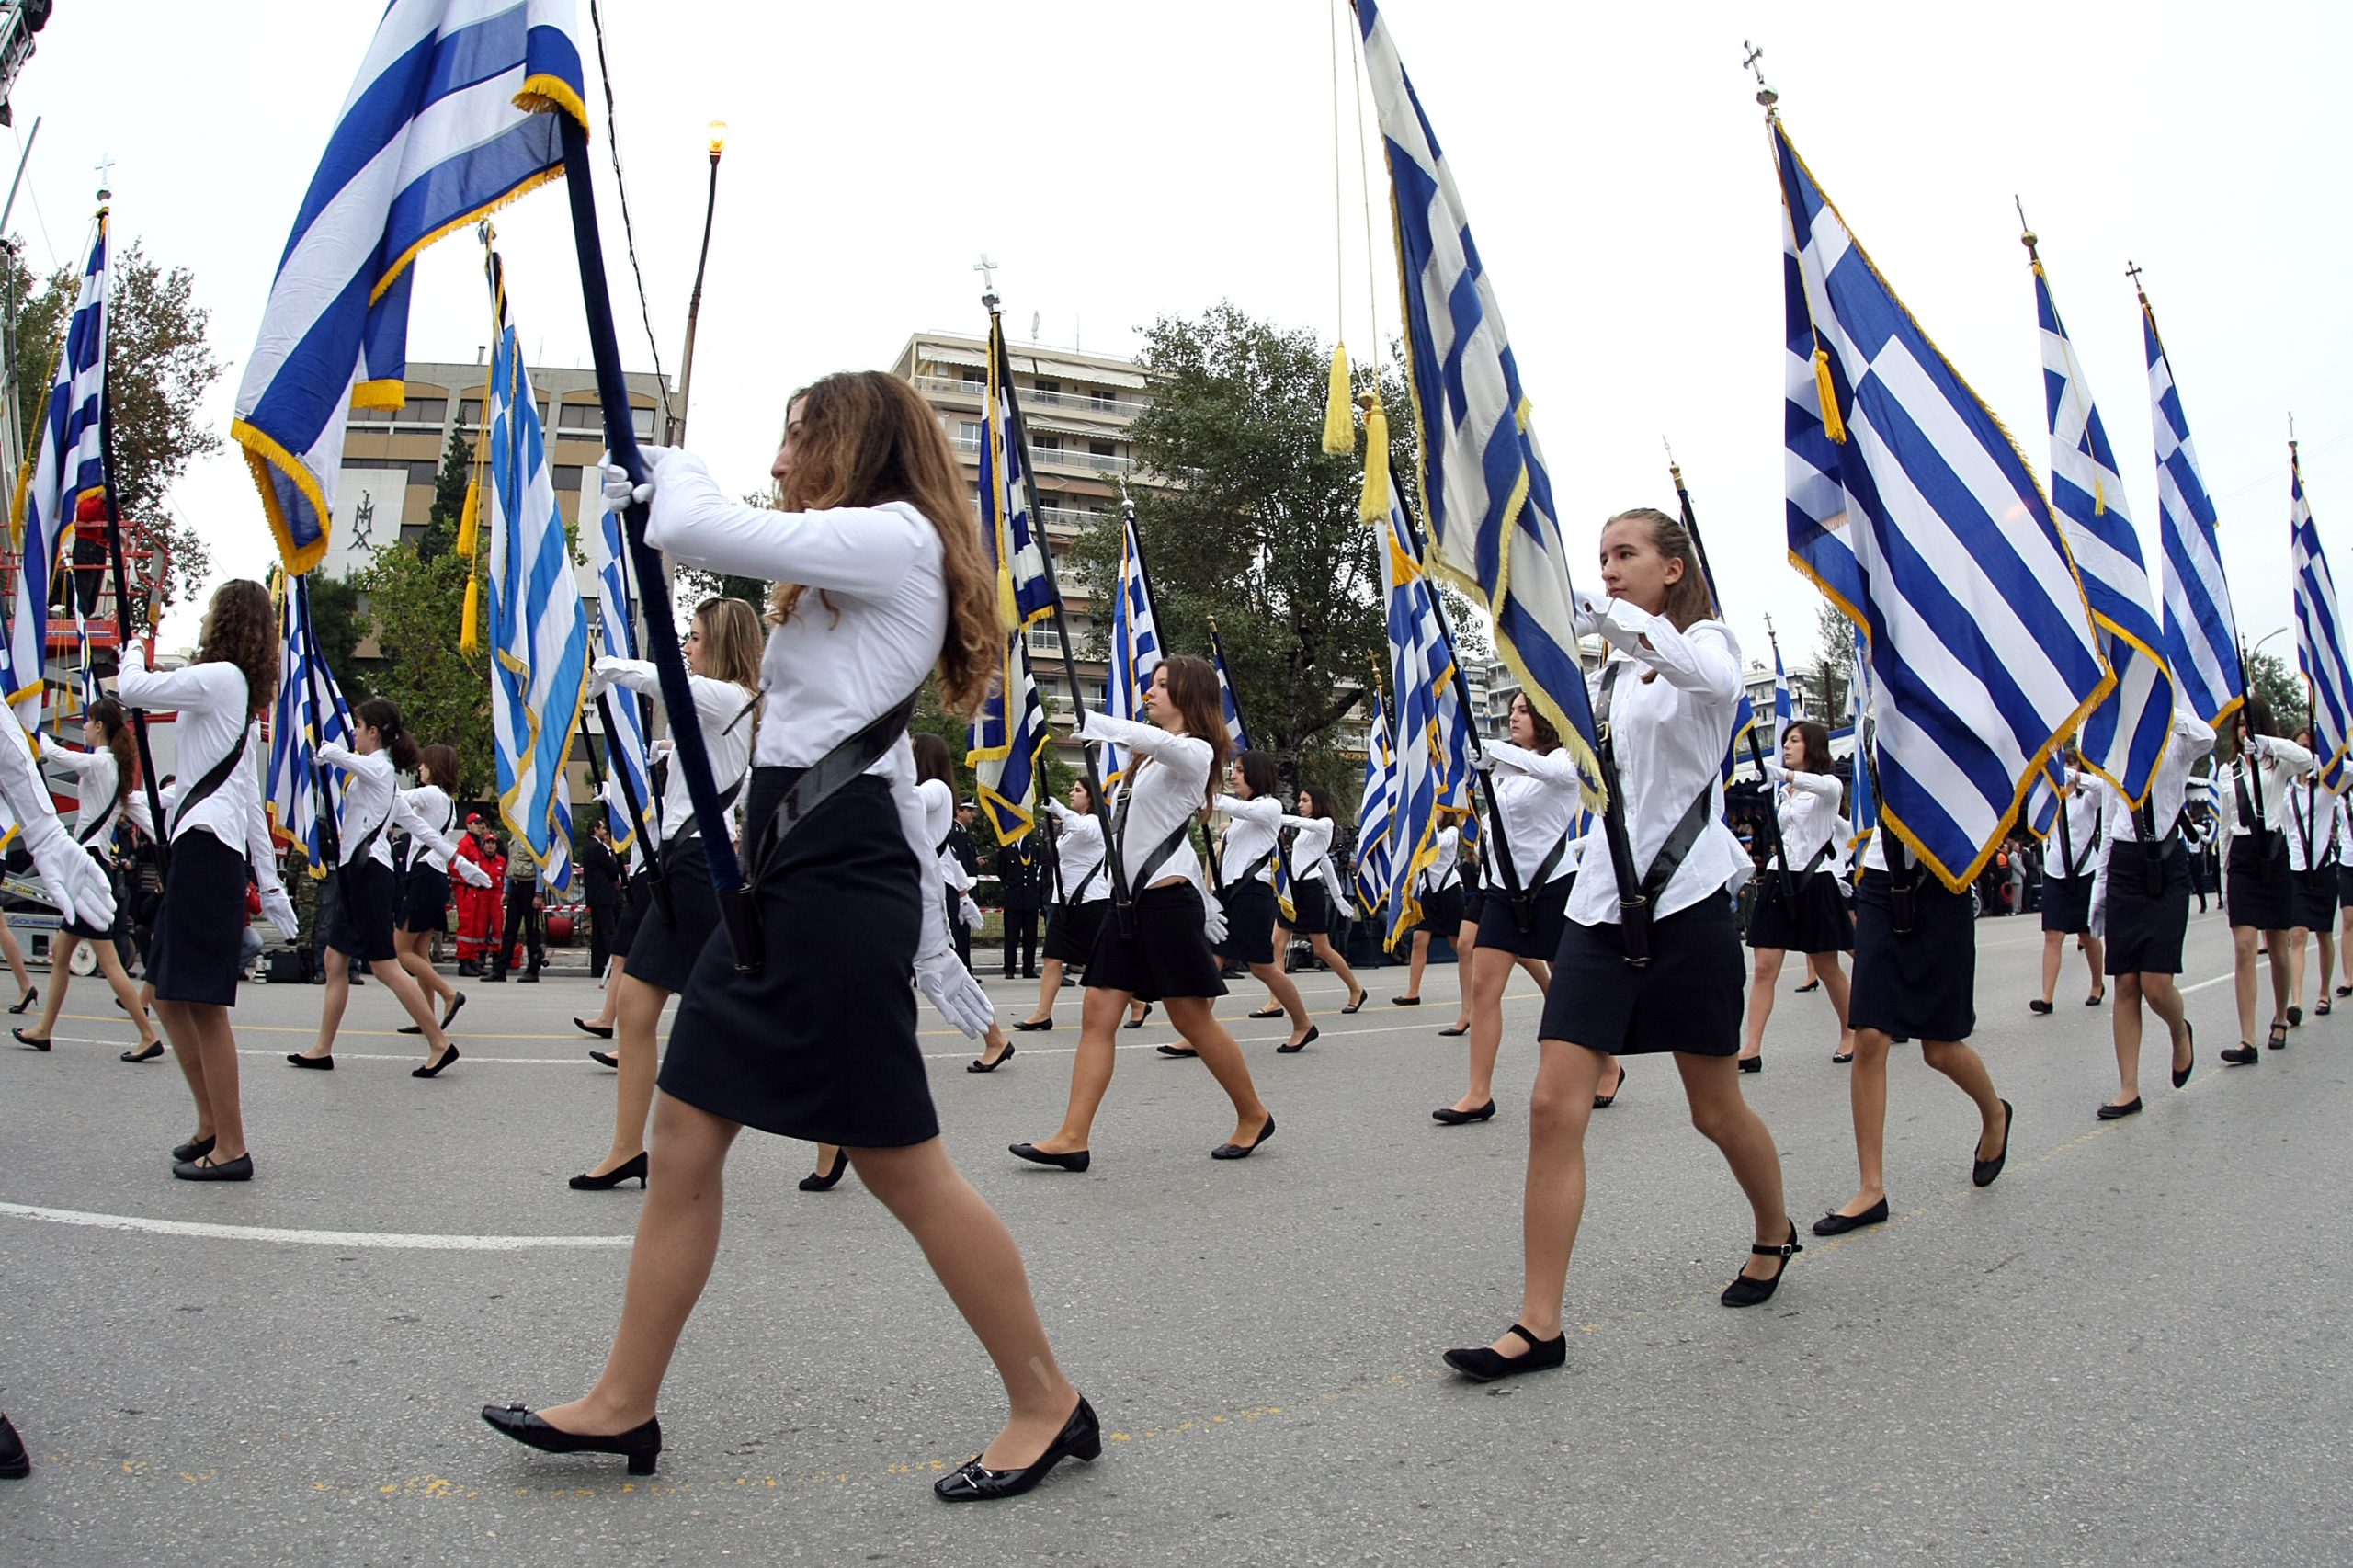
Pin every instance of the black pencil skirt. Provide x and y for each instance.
(1442, 912)
(2345, 886)
(425, 900)
(1921, 984)
(2067, 904)
(636, 896)
(1072, 931)
(664, 950)
(201, 930)
(1311, 904)
(2145, 929)
(119, 928)
(821, 1044)
(1474, 905)
(2315, 899)
(1687, 998)
(1812, 920)
(2257, 887)
(1166, 955)
(1249, 924)
(1548, 919)
(362, 929)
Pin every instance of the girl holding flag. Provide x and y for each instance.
(1085, 898)
(2068, 873)
(1802, 911)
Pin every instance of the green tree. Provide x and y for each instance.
(2277, 683)
(449, 486)
(415, 606)
(336, 621)
(1834, 662)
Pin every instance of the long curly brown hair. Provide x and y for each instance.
(866, 438)
(241, 629)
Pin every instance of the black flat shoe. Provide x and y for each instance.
(315, 1063)
(1983, 1172)
(2241, 1055)
(605, 1059)
(39, 1042)
(2039, 1006)
(2118, 1112)
(1752, 1063)
(1179, 1052)
(410, 1028)
(2322, 1008)
(457, 1003)
(15, 1463)
(1025, 1025)
(1267, 1013)
(1139, 1023)
(26, 1002)
(1359, 1002)
(640, 1445)
(1603, 1102)
(1453, 1118)
(205, 1168)
(1313, 1034)
(972, 1482)
(2278, 1040)
(433, 1069)
(2295, 1018)
(1404, 1001)
(602, 1031)
(2345, 991)
(1745, 1292)
(1036, 1156)
(825, 1181)
(195, 1148)
(1244, 1151)
(1840, 1058)
(1837, 1224)
(1483, 1364)
(2181, 1074)
(983, 1064)
(1455, 1031)
(147, 1052)
(633, 1168)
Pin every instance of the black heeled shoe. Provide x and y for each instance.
(605, 1059)
(315, 1063)
(194, 1149)
(1026, 1026)
(1359, 1002)
(1036, 1156)
(641, 1445)
(972, 1482)
(1745, 1292)
(1314, 1032)
(1753, 1064)
(1244, 1151)
(1802, 990)
(433, 1069)
(602, 1031)
(825, 1181)
(2181, 1074)
(39, 1042)
(1603, 1102)
(2096, 998)
(147, 1052)
(1837, 1224)
(1983, 1172)
(1139, 1023)
(1448, 1115)
(632, 1167)
(26, 1002)
(983, 1064)
(1484, 1364)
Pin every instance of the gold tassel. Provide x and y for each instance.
(1832, 425)
(2100, 498)
(1374, 508)
(470, 639)
(467, 520)
(1339, 428)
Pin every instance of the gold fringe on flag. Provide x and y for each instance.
(1339, 428)
(1374, 507)
(1832, 425)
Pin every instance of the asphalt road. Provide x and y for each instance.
(2131, 1349)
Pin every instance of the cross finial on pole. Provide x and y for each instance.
(106, 178)
(1764, 94)
(987, 269)
(2132, 270)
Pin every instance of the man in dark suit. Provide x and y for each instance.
(602, 870)
(968, 855)
(1021, 877)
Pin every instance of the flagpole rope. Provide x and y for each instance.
(1364, 195)
(1340, 209)
(629, 234)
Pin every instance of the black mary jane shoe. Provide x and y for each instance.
(147, 1052)
(1484, 1364)
(194, 1149)
(1036, 1156)
(972, 1482)
(315, 1063)
(1983, 1172)
(2344, 990)
(631, 1169)
(1404, 1001)
(983, 1064)
(1837, 1224)
(1360, 998)
(605, 1059)
(204, 1167)
(1139, 1023)
(1244, 1151)
(2110, 1111)
(825, 1181)
(28, 1002)
(1745, 1292)
(1265, 1013)
(1314, 1032)
(2322, 1008)
(1027, 1025)
(39, 1042)
(641, 1445)
(1448, 1116)
(433, 1069)
(2278, 1040)
(1177, 1052)
(602, 1031)
(2241, 1055)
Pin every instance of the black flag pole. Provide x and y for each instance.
(330, 830)
(122, 625)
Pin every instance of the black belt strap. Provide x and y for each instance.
(1636, 912)
(1250, 872)
(1078, 894)
(206, 787)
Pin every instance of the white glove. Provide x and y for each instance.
(1774, 770)
(953, 990)
(602, 676)
(77, 884)
(1484, 760)
(619, 493)
(469, 873)
(968, 912)
(1590, 610)
(1212, 918)
(279, 909)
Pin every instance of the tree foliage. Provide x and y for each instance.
(415, 604)
(1834, 662)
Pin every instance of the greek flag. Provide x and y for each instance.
(66, 488)
(1135, 643)
(1784, 703)
(309, 711)
(2201, 643)
(1009, 734)
(1237, 734)
(2126, 734)
(445, 121)
(1982, 649)
(2320, 642)
(615, 635)
(1375, 879)
(538, 628)
(1435, 745)
(1483, 482)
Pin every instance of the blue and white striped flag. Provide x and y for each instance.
(2201, 634)
(2127, 734)
(67, 485)
(1982, 652)
(1010, 734)
(1434, 746)
(615, 636)
(1784, 703)
(308, 711)
(1483, 485)
(1376, 808)
(538, 628)
(1237, 734)
(1135, 643)
(452, 114)
(2320, 634)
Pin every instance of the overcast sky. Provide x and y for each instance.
(1123, 161)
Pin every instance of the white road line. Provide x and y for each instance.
(306, 1238)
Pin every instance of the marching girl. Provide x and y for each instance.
(1668, 696)
(1085, 896)
(1536, 790)
(1466, 939)
(1254, 821)
(881, 577)
(1440, 892)
(362, 929)
(105, 782)
(2067, 877)
(935, 786)
(723, 654)
(2259, 887)
(2313, 847)
(84, 893)
(216, 829)
(425, 892)
(2143, 903)
(1312, 890)
(1165, 955)
(1805, 912)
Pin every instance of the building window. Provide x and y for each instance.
(1103, 397)
(643, 419)
(470, 412)
(579, 416)
(1048, 388)
(970, 432)
(424, 473)
(566, 476)
(1047, 443)
(371, 417)
(424, 411)
(975, 376)
(1102, 448)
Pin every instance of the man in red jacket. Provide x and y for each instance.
(478, 907)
